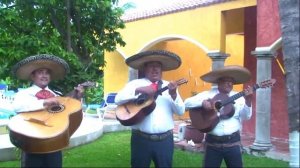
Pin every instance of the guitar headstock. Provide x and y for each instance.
(181, 81)
(89, 84)
(267, 83)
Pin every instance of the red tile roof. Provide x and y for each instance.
(173, 7)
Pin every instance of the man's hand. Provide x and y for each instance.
(79, 90)
(172, 86)
(206, 104)
(50, 102)
(248, 95)
(149, 90)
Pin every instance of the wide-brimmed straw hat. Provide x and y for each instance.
(57, 66)
(238, 73)
(168, 60)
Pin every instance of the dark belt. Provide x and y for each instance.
(223, 138)
(153, 137)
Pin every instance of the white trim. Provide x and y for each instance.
(273, 47)
(174, 37)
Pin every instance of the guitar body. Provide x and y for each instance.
(226, 111)
(131, 113)
(43, 131)
(135, 111)
(203, 120)
(206, 120)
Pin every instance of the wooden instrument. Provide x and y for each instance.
(136, 110)
(48, 130)
(206, 120)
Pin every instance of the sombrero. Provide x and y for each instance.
(168, 60)
(238, 73)
(58, 67)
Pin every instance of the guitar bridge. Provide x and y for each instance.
(38, 121)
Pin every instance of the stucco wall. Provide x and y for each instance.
(200, 28)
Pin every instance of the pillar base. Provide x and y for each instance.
(258, 146)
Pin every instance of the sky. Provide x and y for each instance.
(145, 4)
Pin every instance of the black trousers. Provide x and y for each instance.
(53, 159)
(228, 149)
(143, 150)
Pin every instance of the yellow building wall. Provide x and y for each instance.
(190, 34)
(115, 72)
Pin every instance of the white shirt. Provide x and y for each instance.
(25, 100)
(161, 118)
(225, 126)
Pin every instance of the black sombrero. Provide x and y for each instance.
(238, 73)
(168, 60)
(58, 67)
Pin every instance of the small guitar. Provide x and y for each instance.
(206, 120)
(136, 110)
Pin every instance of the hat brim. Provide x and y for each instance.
(168, 60)
(57, 66)
(239, 74)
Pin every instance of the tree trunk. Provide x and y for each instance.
(289, 19)
(69, 48)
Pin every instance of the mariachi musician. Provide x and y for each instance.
(40, 69)
(152, 137)
(223, 141)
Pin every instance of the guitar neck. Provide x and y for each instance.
(179, 82)
(236, 96)
(159, 91)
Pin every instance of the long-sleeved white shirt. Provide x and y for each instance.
(225, 126)
(25, 100)
(161, 118)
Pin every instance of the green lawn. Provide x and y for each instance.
(3, 130)
(113, 150)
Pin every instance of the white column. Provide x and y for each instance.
(218, 60)
(263, 102)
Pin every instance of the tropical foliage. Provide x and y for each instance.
(77, 31)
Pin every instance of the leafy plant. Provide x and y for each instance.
(77, 31)
(94, 95)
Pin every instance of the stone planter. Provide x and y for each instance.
(191, 133)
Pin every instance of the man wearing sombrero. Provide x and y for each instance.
(223, 140)
(152, 138)
(40, 69)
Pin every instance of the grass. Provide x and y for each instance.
(113, 150)
(3, 130)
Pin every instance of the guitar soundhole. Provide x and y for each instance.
(218, 105)
(56, 108)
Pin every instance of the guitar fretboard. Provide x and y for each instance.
(236, 96)
(179, 82)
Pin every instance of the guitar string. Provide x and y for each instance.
(52, 114)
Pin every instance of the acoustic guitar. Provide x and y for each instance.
(136, 110)
(47, 130)
(206, 120)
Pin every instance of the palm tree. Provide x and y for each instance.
(289, 19)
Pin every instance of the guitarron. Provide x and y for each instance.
(206, 120)
(48, 130)
(136, 110)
